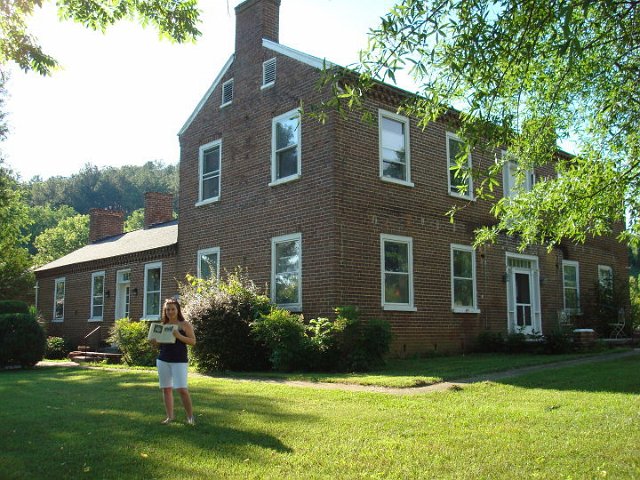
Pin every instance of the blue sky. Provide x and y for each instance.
(121, 97)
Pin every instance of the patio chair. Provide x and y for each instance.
(617, 329)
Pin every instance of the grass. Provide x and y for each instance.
(69, 423)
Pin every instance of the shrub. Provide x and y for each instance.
(22, 340)
(13, 306)
(489, 342)
(56, 348)
(557, 342)
(131, 339)
(515, 343)
(221, 313)
(284, 335)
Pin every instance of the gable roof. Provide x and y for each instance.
(163, 235)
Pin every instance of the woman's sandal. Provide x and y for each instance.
(167, 421)
(191, 420)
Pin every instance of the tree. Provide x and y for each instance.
(44, 217)
(70, 234)
(174, 19)
(135, 221)
(524, 75)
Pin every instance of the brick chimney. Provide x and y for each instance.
(158, 208)
(105, 223)
(255, 20)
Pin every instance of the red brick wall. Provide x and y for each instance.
(104, 223)
(158, 208)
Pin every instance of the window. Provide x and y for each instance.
(268, 73)
(152, 286)
(458, 186)
(463, 279)
(510, 182)
(58, 300)
(286, 271)
(285, 150)
(393, 138)
(210, 162)
(227, 93)
(209, 263)
(605, 277)
(571, 284)
(97, 296)
(397, 272)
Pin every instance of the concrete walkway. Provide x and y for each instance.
(438, 387)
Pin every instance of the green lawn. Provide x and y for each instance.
(575, 422)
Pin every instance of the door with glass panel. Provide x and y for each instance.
(523, 295)
(123, 293)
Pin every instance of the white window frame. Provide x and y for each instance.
(297, 237)
(94, 275)
(285, 116)
(571, 263)
(201, 152)
(271, 63)
(508, 183)
(58, 281)
(609, 270)
(469, 195)
(145, 315)
(466, 308)
(406, 123)
(209, 251)
(406, 307)
(224, 91)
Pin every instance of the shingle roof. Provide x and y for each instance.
(163, 235)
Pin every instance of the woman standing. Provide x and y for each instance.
(172, 362)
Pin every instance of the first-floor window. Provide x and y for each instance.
(152, 286)
(397, 272)
(58, 300)
(97, 295)
(463, 278)
(209, 263)
(286, 271)
(571, 284)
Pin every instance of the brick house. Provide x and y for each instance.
(352, 213)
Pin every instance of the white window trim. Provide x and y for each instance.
(564, 294)
(405, 121)
(147, 267)
(473, 308)
(209, 251)
(118, 283)
(605, 268)
(402, 307)
(224, 86)
(294, 307)
(201, 151)
(536, 299)
(270, 84)
(93, 277)
(507, 164)
(274, 121)
(57, 281)
(469, 195)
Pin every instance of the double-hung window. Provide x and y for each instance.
(514, 182)
(152, 289)
(58, 299)
(209, 263)
(396, 258)
(285, 147)
(97, 296)
(210, 164)
(571, 285)
(393, 139)
(460, 180)
(463, 279)
(286, 271)
(605, 277)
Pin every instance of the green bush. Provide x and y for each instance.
(22, 340)
(131, 339)
(516, 343)
(13, 306)
(556, 342)
(489, 342)
(284, 334)
(221, 313)
(56, 349)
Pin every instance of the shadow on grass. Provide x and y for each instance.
(67, 422)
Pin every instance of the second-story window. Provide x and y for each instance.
(285, 147)
(514, 182)
(210, 159)
(460, 182)
(227, 93)
(393, 138)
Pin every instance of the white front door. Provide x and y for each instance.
(123, 294)
(523, 295)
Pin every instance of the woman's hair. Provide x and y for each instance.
(169, 301)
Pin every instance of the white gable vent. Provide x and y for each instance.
(269, 72)
(227, 92)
